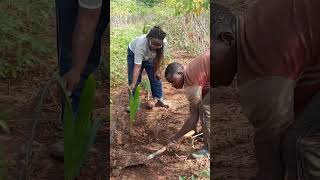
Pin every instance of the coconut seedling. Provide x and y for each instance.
(79, 130)
(134, 105)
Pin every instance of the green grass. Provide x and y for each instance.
(25, 35)
(131, 18)
(120, 38)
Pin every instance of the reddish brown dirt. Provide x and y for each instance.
(20, 96)
(151, 131)
(232, 147)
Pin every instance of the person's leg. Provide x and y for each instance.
(309, 155)
(156, 85)
(204, 115)
(268, 104)
(66, 18)
(204, 112)
(130, 64)
(66, 14)
(301, 145)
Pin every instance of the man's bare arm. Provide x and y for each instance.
(194, 96)
(190, 123)
(83, 38)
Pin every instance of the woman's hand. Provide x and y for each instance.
(130, 89)
(157, 76)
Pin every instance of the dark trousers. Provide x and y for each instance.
(156, 85)
(301, 145)
(66, 14)
(285, 145)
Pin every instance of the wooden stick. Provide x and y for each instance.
(163, 149)
(189, 134)
(160, 151)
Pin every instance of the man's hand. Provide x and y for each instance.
(83, 39)
(71, 80)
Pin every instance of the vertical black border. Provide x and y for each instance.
(211, 83)
(106, 123)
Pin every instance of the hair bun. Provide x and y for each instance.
(157, 32)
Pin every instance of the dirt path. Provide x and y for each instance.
(150, 132)
(20, 97)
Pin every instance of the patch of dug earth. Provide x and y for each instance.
(232, 140)
(150, 132)
(20, 97)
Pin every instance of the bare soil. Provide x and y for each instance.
(20, 96)
(151, 131)
(232, 154)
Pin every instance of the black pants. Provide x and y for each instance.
(301, 144)
(285, 145)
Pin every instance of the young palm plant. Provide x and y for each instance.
(134, 105)
(80, 130)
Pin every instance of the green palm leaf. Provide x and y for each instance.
(80, 131)
(134, 104)
(3, 124)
